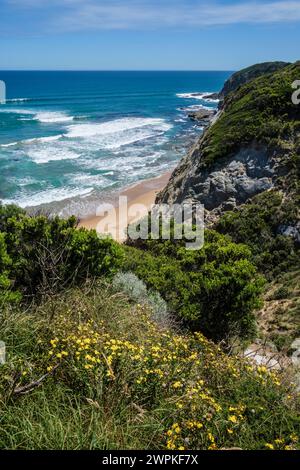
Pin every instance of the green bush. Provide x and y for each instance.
(137, 291)
(6, 295)
(281, 293)
(214, 289)
(257, 224)
(49, 254)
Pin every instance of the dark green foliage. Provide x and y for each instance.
(8, 212)
(281, 293)
(250, 73)
(6, 295)
(214, 289)
(261, 112)
(51, 254)
(258, 224)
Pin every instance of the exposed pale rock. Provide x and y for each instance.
(227, 184)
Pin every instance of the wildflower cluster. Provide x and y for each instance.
(290, 443)
(186, 378)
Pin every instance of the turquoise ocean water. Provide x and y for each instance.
(68, 139)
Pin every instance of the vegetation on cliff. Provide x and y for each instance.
(92, 367)
(44, 255)
(250, 73)
(261, 112)
(260, 224)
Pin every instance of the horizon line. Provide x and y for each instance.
(117, 70)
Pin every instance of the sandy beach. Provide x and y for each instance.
(140, 198)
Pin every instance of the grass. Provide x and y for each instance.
(123, 382)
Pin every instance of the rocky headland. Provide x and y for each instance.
(248, 147)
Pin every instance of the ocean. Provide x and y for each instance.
(70, 139)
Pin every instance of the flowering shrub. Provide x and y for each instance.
(112, 378)
(185, 375)
(138, 384)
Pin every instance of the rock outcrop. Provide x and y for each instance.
(229, 183)
(203, 117)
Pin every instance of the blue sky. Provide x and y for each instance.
(147, 34)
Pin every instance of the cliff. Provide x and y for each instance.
(251, 147)
(250, 73)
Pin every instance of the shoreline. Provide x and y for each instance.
(140, 198)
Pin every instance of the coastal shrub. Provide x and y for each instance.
(120, 381)
(281, 293)
(136, 290)
(160, 311)
(258, 224)
(131, 285)
(49, 254)
(215, 289)
(6, 294)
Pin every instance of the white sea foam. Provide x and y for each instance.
(112, 127)
(196, 107)
(16, 111)
(51, 153)
(41, 116)
(11, 144)
(194, 96)
(130, 163)
(83, 142)
(27, 180)
(82, 138)
(109, 135)
(50, 138)
(112, 135)
(53, 117)
(198, 96)
(48, 196)
(45, 149)
(98, 181)
(15, 100)
(181, 119)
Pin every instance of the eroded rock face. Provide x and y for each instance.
(203, 116)
(226, 184)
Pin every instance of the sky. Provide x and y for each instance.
(147, 34)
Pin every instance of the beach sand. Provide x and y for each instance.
(140, 198)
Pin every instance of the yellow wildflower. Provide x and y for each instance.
(232, 418)
(269, 446)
